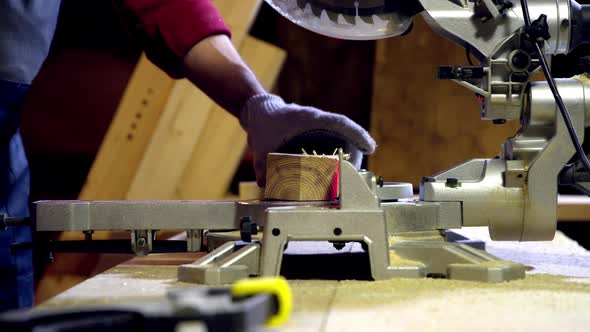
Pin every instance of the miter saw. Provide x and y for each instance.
(514, 194)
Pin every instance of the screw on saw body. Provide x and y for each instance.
(88, 235)
(338, 245)
(427, 179)
(380, 181)
(460, 72)
(141, 242)
(452, 183)
(247, 229)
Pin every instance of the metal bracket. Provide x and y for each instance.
(194, 240)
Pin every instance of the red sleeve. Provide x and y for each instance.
(168, 29)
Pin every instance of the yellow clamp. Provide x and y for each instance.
(276, 286)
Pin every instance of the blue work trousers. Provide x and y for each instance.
(16, 267)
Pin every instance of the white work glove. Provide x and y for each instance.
(274, 126)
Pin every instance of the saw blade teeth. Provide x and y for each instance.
(332, 16)
(301, 3)
(317, 11)
(349, 19)
(367, 19)
(341, 19)
(307, 10)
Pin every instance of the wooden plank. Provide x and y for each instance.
(297, 177)
(130, 131)
(219, 149)
(169, 149)
(184, 117)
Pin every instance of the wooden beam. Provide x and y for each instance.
(219, 149)
(127, 138)
(301, 177)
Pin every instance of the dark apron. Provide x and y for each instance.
(16, 268)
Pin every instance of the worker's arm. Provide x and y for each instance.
(188, 38)
(215, 67)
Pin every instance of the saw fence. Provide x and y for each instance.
(167, 140)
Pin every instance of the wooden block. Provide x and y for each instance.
(219, 149)
(301, 177)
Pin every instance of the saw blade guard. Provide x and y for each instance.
(347, 19)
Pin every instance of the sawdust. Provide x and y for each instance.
(406, 304)
(498, 263)
(396, 260)
(430, 236)
(584, 78)
(537, 303)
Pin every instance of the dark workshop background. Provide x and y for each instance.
(422, 125)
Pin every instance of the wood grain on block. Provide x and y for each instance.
(301, 177)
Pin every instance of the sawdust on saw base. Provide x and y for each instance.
(537, 303)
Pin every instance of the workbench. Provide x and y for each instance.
(555, 296)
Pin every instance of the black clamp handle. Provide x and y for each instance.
(6, 222)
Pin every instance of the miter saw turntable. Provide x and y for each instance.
(514, 194)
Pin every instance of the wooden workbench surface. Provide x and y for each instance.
(541, 302)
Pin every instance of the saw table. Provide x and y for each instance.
(555, 295)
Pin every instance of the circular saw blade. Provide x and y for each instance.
(346, 19)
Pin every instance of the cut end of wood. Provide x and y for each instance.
(295, 177)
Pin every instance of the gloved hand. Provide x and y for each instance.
(274, 126)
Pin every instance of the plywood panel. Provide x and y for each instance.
(423, 125)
